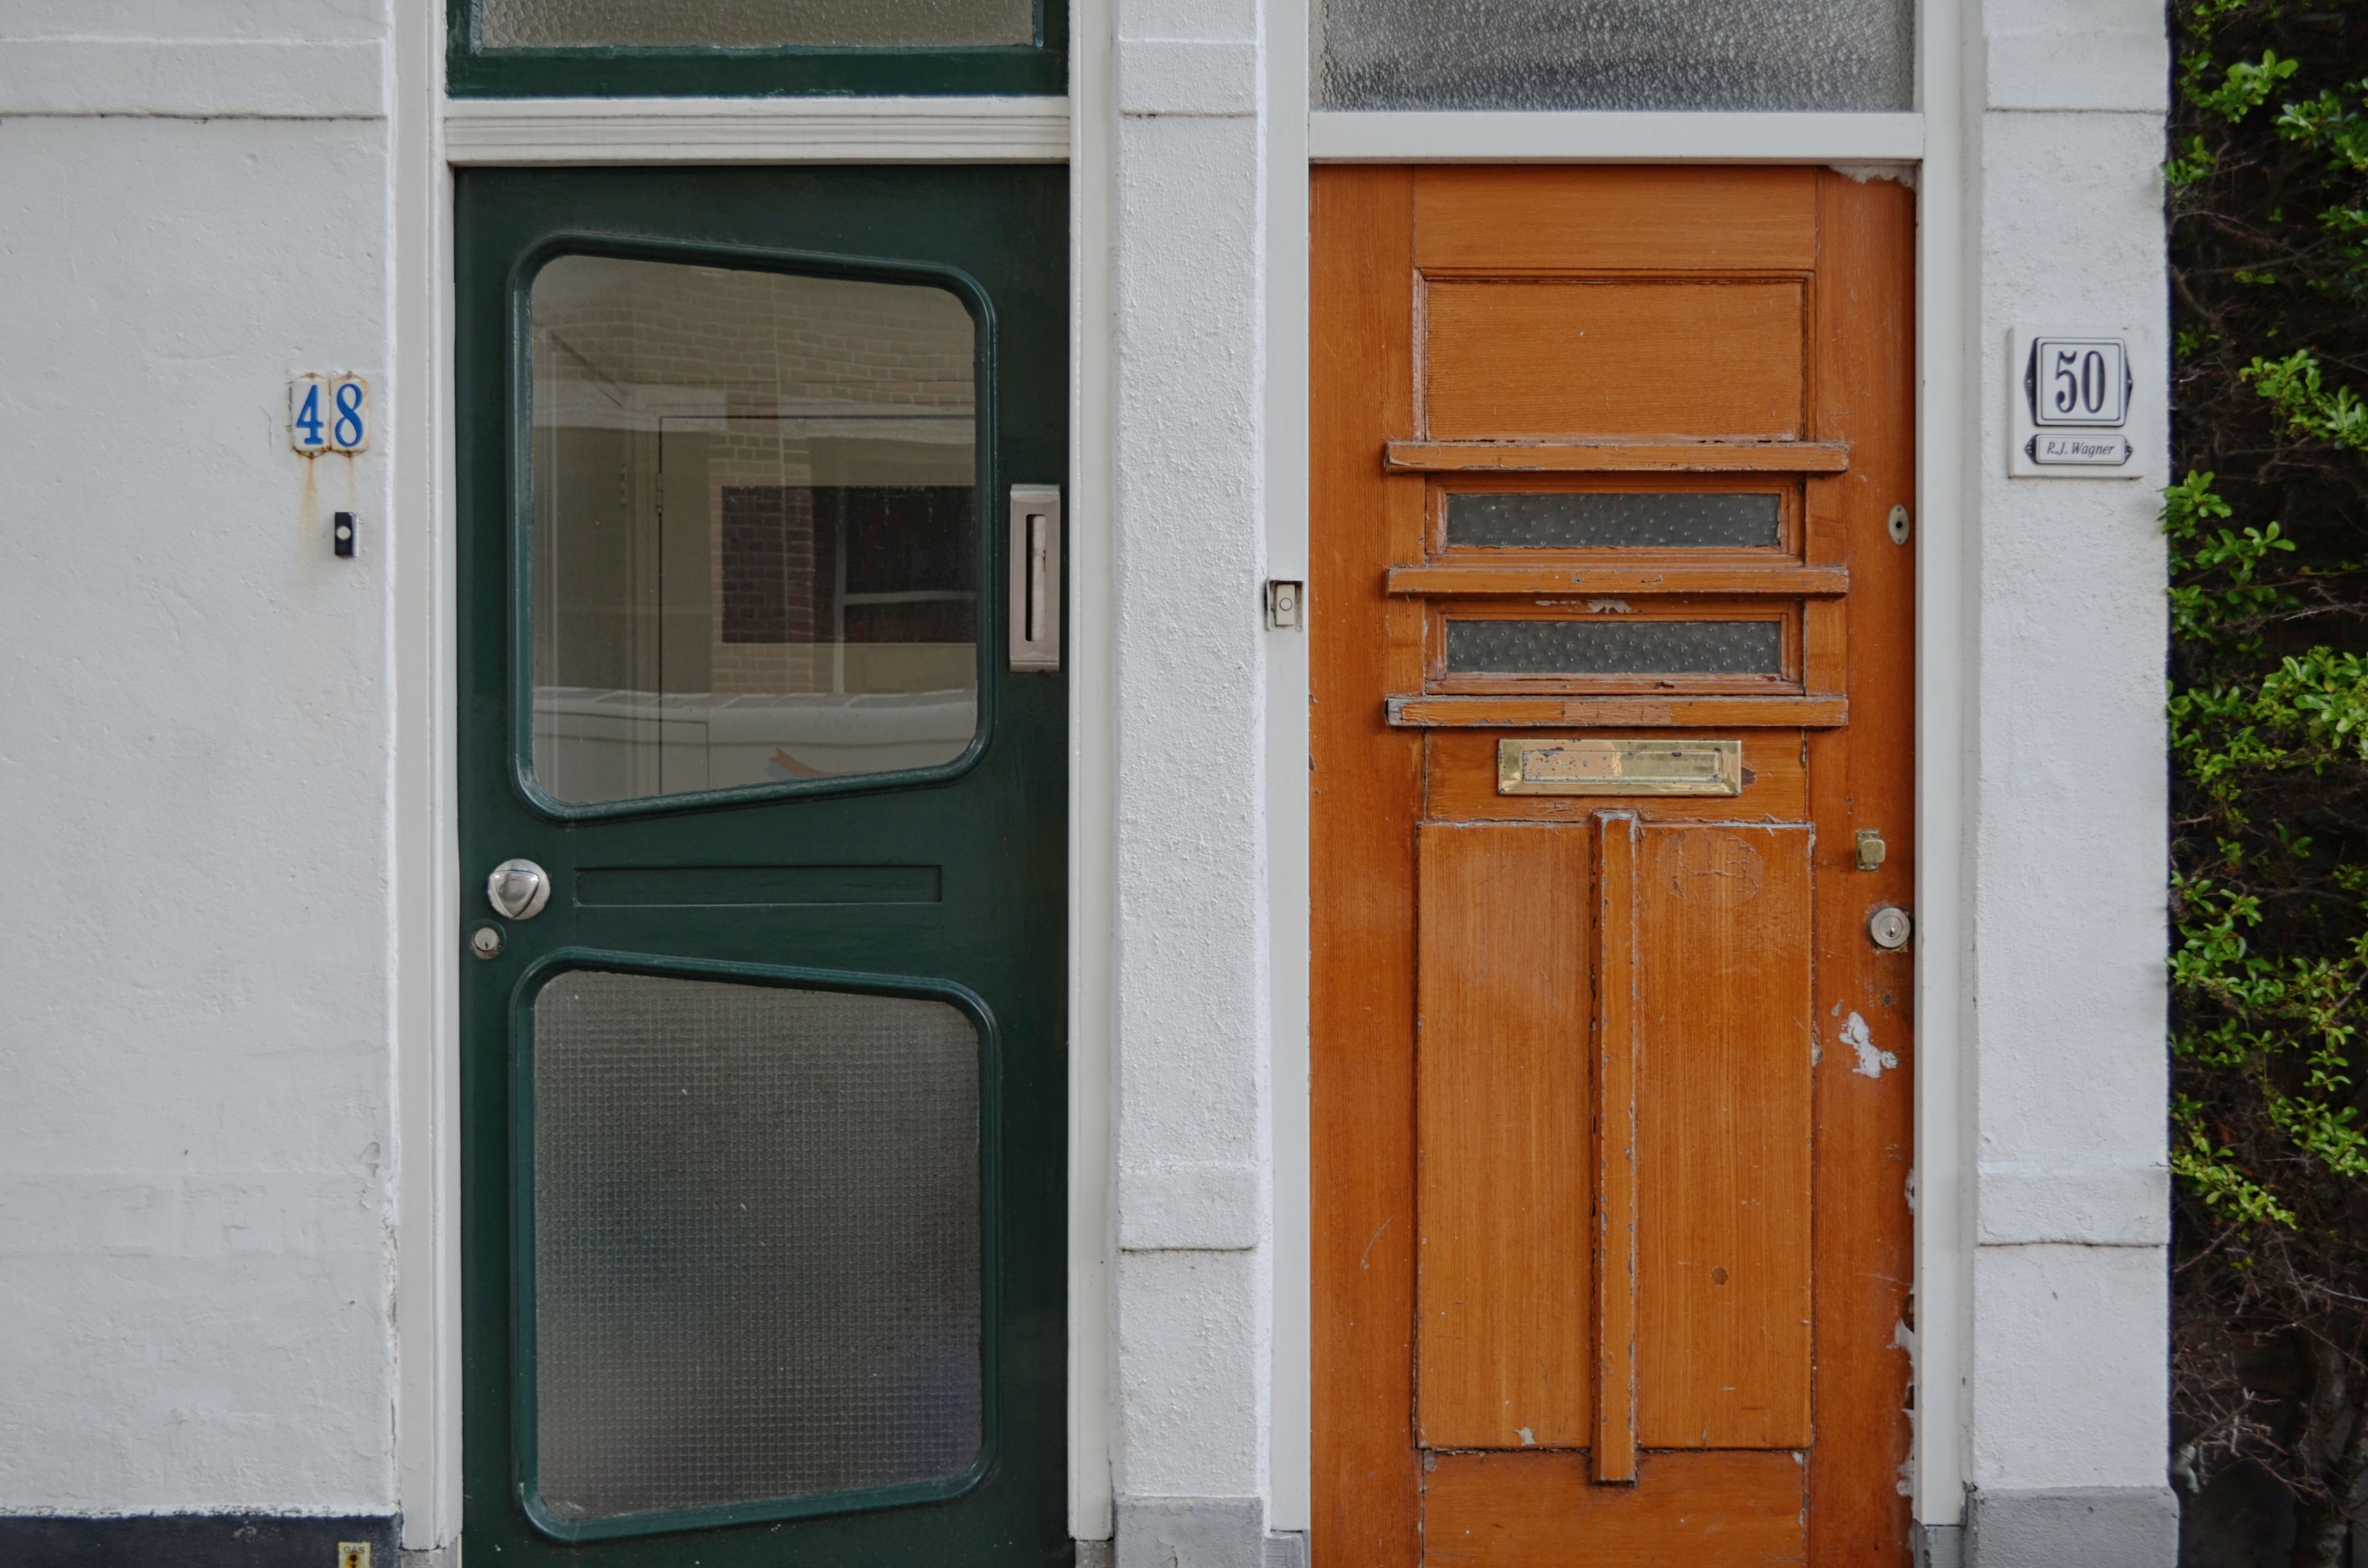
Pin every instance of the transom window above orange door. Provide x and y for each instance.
(1615, 55)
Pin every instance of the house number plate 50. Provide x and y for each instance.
(2073, 398)
(2078, 381)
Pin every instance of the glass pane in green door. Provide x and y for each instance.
(755, 525)
(757, 1266)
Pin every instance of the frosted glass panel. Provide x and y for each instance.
(755, 1243)
(1615, 55)
(1612, 520)
(752, 23)
(755, 527)
(1607, 647)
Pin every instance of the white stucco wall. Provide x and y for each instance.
(1193, 1287)
(198, 1034)
(2065, 1315)
(194, 1149)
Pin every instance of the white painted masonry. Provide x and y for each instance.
(225, 938)
(196, 1138)
(1192, 1291)
(2065, 1075)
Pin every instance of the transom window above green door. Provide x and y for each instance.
(753, 554)
(756, 47)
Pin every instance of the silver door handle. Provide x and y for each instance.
(517, 889)
(1035, 578)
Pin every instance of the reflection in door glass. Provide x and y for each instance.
(755, 528)
(757, 1244)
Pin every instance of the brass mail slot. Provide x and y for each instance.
(1620, 768)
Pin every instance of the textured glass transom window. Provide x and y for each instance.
(752, 23)
(1615, 55)
(1613, 520)
(1615, 647)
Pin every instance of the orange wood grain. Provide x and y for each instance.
(1365, 784)
(1722, 1136)
(1705, 1510)
(1602, 358)
(1611, 219)
(1615, 457)
(1492, 577)
(1501, 1124)
(1615, 1030)
(1459, 783)
(1813, 711)
(1384, 757)
(1865, 777)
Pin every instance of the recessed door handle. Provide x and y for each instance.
(1035, 578)
(517, 889)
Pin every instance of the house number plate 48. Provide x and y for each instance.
(328, 414)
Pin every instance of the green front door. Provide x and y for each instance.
(763, 1068)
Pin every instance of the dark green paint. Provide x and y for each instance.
(1041, 68)
(949, 884)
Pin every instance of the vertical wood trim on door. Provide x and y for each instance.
(1366, 784)
(1863, 777)
(1615, 1148)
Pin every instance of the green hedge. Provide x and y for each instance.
(2268, 191)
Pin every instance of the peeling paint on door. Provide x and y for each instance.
(1871, 1062)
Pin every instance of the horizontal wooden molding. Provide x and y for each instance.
(1616, 457)
(1589, 136)
(1815, 711)
(527, 131)
(1459, 578)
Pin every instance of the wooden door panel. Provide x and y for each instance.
(1501, 1119)
(1613, 358)
(1634, 1059)
(1722, 1136)
(1531, 1510)
(1614, 219)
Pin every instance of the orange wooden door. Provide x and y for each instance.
(1612, 679)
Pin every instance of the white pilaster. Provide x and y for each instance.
(1193, 1280)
